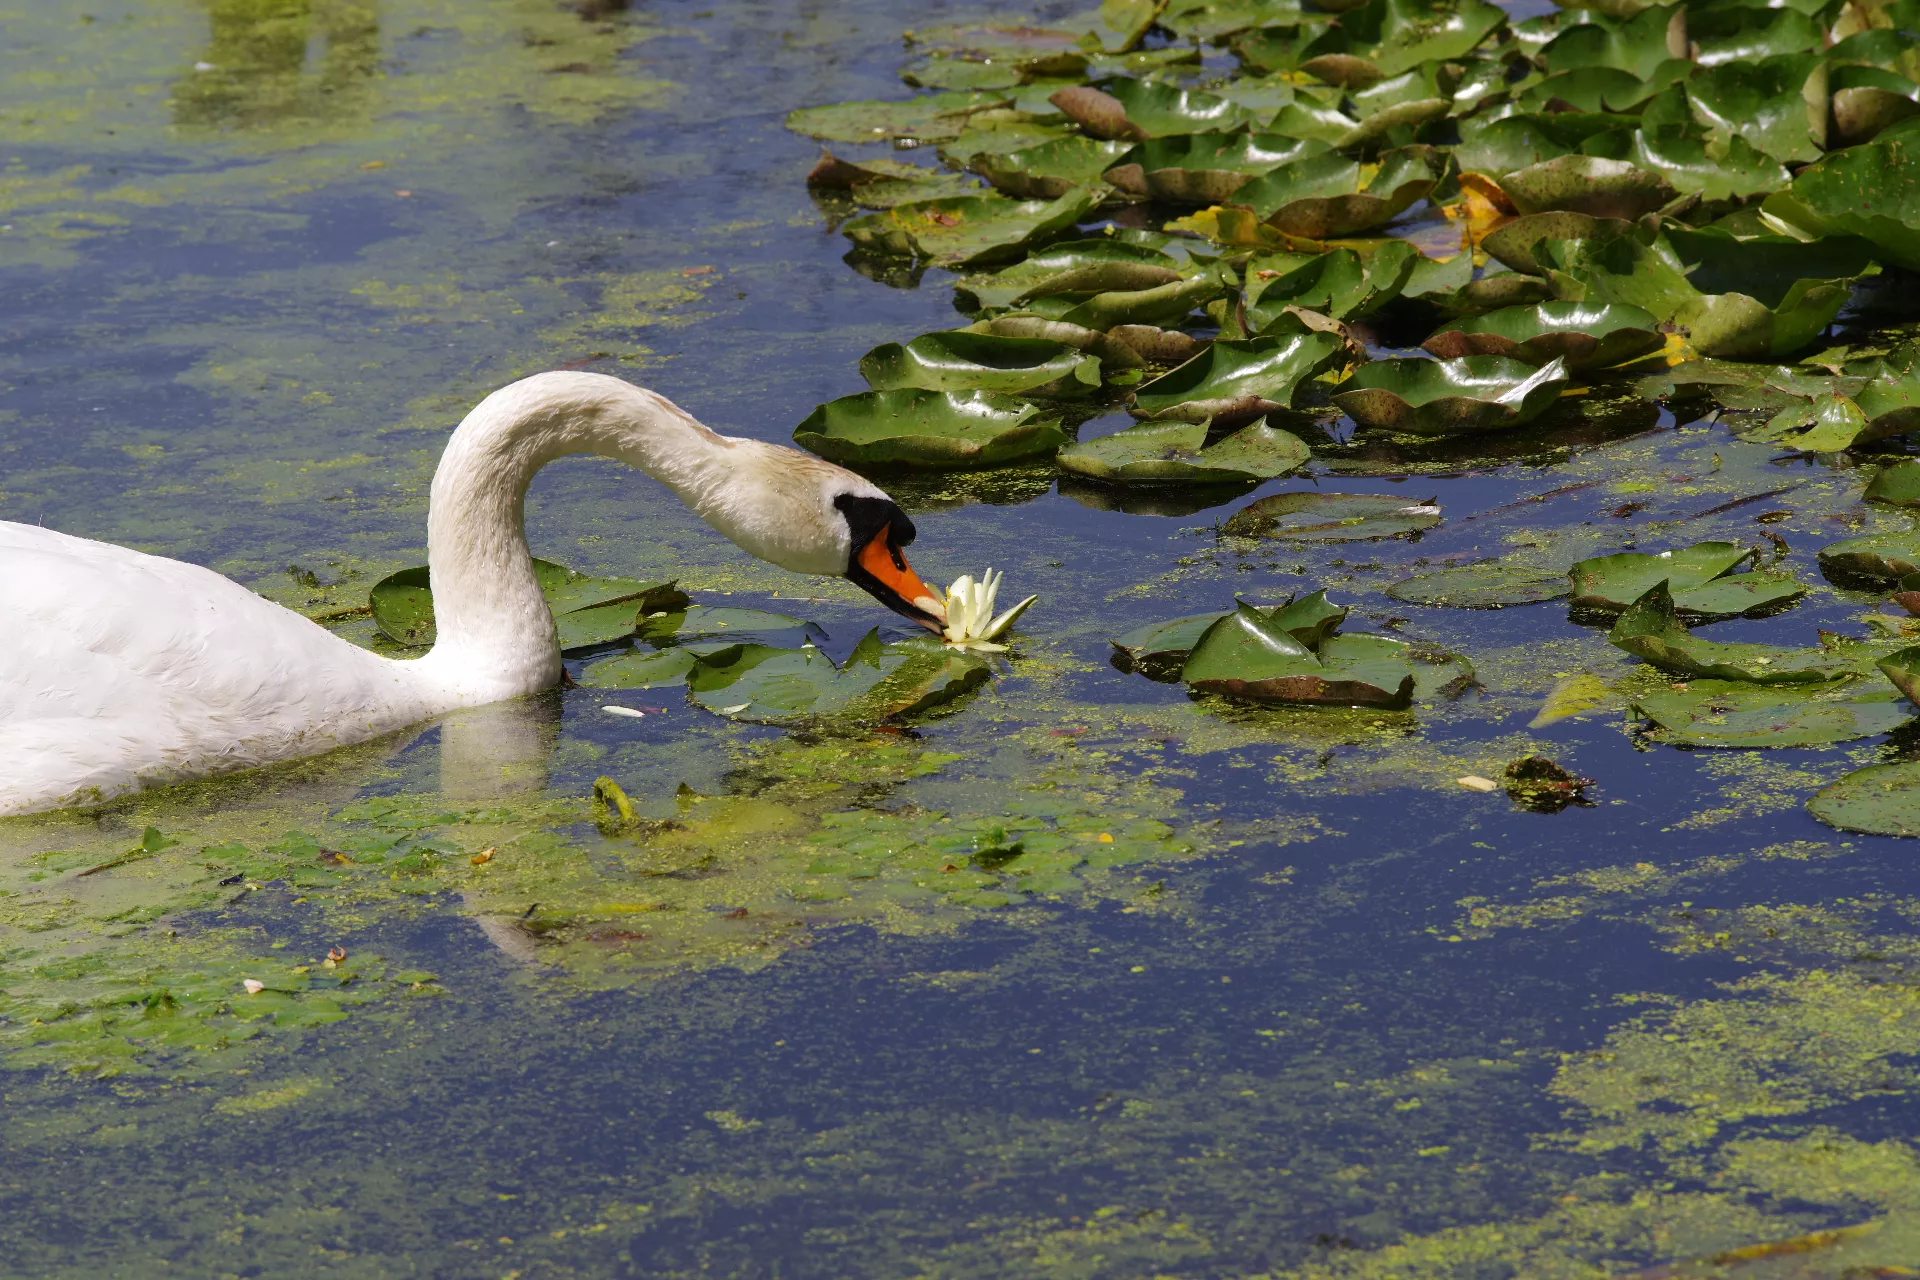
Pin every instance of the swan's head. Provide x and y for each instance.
(877, 530)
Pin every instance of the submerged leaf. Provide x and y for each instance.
(1723, 713)
(1313, 516)
(1176, 453)
(1882, 799)
(1481, 586)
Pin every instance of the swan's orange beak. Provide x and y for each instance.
(885, 574)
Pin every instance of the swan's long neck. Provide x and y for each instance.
(496, 635)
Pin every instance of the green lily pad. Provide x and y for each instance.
(1074, 268)
(1515, 243)
(663, 669)
(942, 71)
(1498, 146)
(1730, 325)
(969, 230)
(704, 622)
(915, 427)
(1136, 110)
(1712, 165)
(1325, 196)
(996, 132)
(1114, 353)
(1726, 713)
(1871, 190)
(1177, 453)
(1397, 35)
(587, 610)
(1597, 187)
(1896, 484)
(1248, 655)
(1050, 170)
(1700, 579)
(1481, 586)
(1239, 381)
(1730, 34)
(1881, 800)
(1637, 45)
(1600, 89)
(767, 685)
(930, 118)
(1651, 629)
(1778, 104)
(1205, 168)
(1160, 649)
(1877, 557)
(1332, 517)
(1340, 283)
(1166, 304)
(1580, 335)
(962, 361)
(1445, 397)
(1903, 668)
(1210, 21)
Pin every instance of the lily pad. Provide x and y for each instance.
(1871, 190)
(1248, 655)
(1050, 170)
(1074, 268)
(1637, 45)
(1515, 242)
(1867, 100)
(1586, 184)
(1205, 168)
(1159, 650)
(1164, 304)
(1445, 397)
(1177, 453)
(1397, 35)
(661, 669)
(1726, 713)
(969, 230)
(1877, 557)
(768, 685)
(1481, 586)
(1580, 335)
(1332, 517)
(587, 610)
(1339, 283)
(1239, 381)
(915, 427)
(1136, 110)
(1896, 484)
(1329, 195)
(962, 361)
(1715, 166)
(1777, 104)
(1651, 629)
(704, 622)
(1700, 579)
(929, 118)
(1730, 325)
(1882, 800)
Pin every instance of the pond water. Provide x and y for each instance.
(1267, 994)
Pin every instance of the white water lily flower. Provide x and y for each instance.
(971, 623)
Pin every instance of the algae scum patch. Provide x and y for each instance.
(1182, 939)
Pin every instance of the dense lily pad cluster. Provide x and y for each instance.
(1576, 215)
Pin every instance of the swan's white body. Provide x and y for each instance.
(121, 671)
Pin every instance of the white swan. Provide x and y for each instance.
(121, 671)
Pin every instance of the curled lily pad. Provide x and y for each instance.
(962, 361)
(1162, 304)
(1882, 799)
(1867, 100)
(1114, 353)
(1177, 453)
(1651, 629)
(1514, 242)
(1160, 649)
(587, 610)
(1726, 713)
(1580, 335)
(768, 685)
(1329, 195)
(1776, 320)
(1876, 558)
(1903, 668)
(1586, 184)
(1140, 109)
(968, 230)
(1074, 268)
(1700, 579)
(1871, 190)
(1205, 168)
(915, 427)
(1481, 586)
(1050, 170)
(1239, 381)
(1249, 655)
(1896, 484)
(1339, 283)
(1443, 397)
(930, 118)
(1332, 517)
